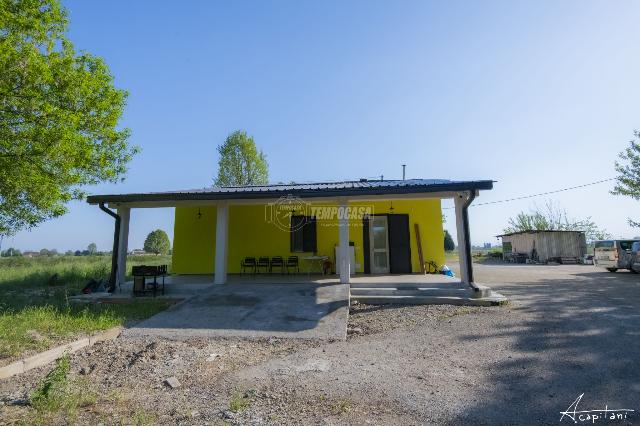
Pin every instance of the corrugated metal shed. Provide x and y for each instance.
(319, 189)
(544, 246)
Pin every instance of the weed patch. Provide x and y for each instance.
(53, 390)
(239, 402)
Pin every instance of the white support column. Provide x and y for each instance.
(459, 201)
(222, 243)
(343, 227)
(123, 243)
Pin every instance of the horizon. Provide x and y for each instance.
(538, 97)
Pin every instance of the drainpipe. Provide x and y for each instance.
(465, 221)
(116, 242)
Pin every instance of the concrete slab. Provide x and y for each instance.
(290, 310)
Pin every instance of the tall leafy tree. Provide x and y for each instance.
(92, 249)
(11, 252)
(628, 168)
(59, 113)
(240, 162)
(157, 242)
(449, 245)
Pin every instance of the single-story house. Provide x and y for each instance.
(545, 245)
(364, 227)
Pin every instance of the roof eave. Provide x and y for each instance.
(303, 193)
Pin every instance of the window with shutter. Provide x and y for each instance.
(303, 234)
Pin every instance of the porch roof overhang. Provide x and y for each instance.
(363, 189)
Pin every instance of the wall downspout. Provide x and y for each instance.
(116, 243)
(467, 248)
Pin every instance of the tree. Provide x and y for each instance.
(157, 242)
(628, 168)
(552, 218)
(59, 113)
(449, 245)
(240, 162)
(11, 252)
(92, 249)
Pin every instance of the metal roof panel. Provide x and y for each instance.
(316, 189)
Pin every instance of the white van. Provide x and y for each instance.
(613, 254)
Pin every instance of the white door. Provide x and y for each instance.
(379, 242)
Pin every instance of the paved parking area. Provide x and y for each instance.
(308, 311)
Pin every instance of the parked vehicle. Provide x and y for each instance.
(613, 254)
(635, 257)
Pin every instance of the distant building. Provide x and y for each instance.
(30, 253)
(138, 252)
(544, 246)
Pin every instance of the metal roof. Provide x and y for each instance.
(319, 189)
(535, 231)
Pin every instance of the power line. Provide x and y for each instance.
(524, 197)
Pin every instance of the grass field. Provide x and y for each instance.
(35, 316)
(479, 256)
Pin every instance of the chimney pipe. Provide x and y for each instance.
(404, 166)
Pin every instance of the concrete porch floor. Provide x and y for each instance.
(292, 306)
(373, 289)
(186, 286)
(254, 310)
(193, 281)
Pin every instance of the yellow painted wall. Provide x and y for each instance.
(194, 240)
(251, 235)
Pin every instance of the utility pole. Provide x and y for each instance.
(404, 166)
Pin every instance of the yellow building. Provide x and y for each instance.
(252, 234)
(363, 227)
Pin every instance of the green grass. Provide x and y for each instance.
(36, 316)
(58, 394)
(451, 257)
(239, 402)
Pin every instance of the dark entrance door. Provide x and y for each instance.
(399, 244)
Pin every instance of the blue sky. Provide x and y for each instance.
(537, 96)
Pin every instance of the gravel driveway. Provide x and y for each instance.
(568, 330)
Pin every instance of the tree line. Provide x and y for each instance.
(157, 242)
